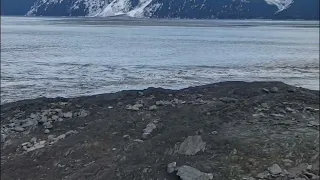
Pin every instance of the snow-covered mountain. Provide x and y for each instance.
(235, 9)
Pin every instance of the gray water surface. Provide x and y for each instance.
(82, 56)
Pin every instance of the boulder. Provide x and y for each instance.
(33, 116)
(153, 108)
(171, 167)
(36, 146)
(292, 89)
(149, 128)
(294, 171)
(126, 136)
(33, 140)
(29, 122)
(214, 132)
(192, 145)
(3, 137)
(43, 119)
(190, 173)
(263, 175)
(163, 103)
(48, 125)
(47, 131)
(51, 138)
(313, 124)
(19, 129)
(137, 106)
(274, 169)
(274, 89)
(83, 113)
(265, 90)
(7, 143)
(67, 115)
(55, 117)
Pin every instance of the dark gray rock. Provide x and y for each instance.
(265, 90)
(263, 175)
(274, 169)
(190, 173)
(228, 100)
(3, 137)
(145, 136)
(288, 109)
(274, 90)
(149, 128)
(43, 119)
(33, 116)
(67, 115)
(171, 167)
(163, 103)
(313, 124)
(33, 140)
(83, 113)
(47, 131)
(55, 117)
(30, 122)
(214, 132)
(295, 171)
(292, 89)
(12, 125)
(192, 145)
(51, 138)
(265, 105)
(126, 136)
(48, 125)
(19, 129)
(135, 107)
(311, 176)
(153, 108)
(7, 143)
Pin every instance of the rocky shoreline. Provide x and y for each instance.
(228, 130)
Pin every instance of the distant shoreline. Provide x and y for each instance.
(146, 18)
(174, 22)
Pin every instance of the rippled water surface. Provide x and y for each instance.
(78, 56)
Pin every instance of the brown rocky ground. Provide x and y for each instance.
(229, 130)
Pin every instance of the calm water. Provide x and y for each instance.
(70, 57)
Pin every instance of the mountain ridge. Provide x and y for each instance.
(184, 9)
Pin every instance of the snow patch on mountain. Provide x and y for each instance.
(116, 7)
(151, 8)
(121, 7)
(102, 8)
(93, 6)
(281, 4)
(140, 9)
